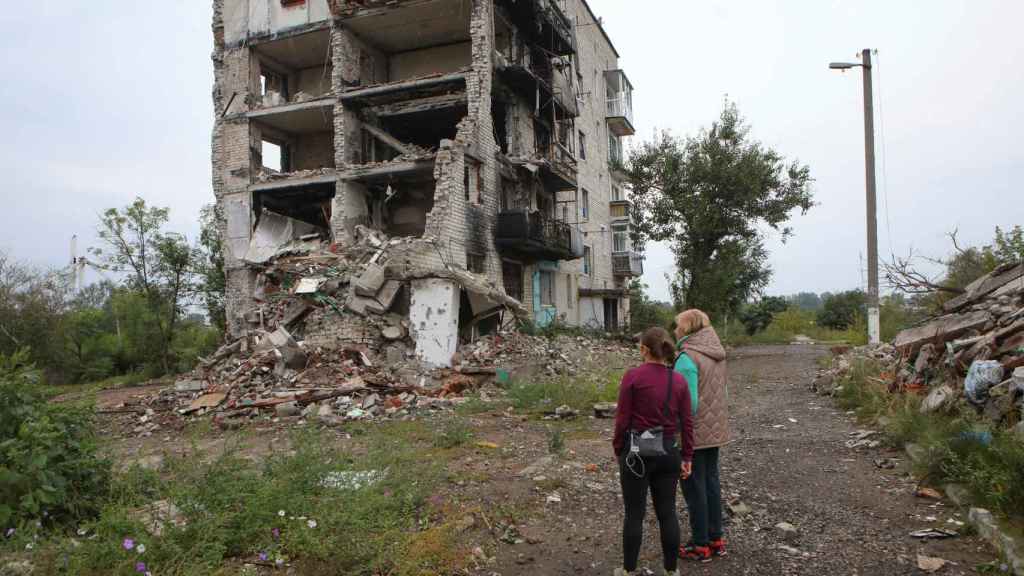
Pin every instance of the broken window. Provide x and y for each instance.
(512, 279)
(585, 204)
(583, 145)
(476, 262)
(472, 181)
(588, 261)
(568, 291)
(274, 156)
(547, 288)
(273, 87)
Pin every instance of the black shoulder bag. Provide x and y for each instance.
(651, 442)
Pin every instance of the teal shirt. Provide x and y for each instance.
(688, 368)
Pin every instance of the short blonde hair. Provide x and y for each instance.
(690, 321)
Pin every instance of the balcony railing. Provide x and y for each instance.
(621, 106)
(620, 103)
(627, 264)
(533, 235)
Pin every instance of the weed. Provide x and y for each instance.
(321, 509)
(556, 440)
(990, 469)
(454, 433)
(476, 405)
(579, 392)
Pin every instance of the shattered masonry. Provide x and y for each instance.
(426, 167)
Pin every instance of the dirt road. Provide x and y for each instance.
(789, 463)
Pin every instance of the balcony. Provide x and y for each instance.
(627, 264)
(619, 209)
(533, 236)
(620, 103)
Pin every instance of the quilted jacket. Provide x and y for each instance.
(711, 425)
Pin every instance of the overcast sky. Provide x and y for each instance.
(106, 100)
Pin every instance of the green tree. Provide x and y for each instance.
(710, 196)
(840, 311)
(806, 301)
(644, 312)
(213, 280)
(756, 317)
(159, 265)
(1008, 246)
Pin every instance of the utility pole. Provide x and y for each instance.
(874, 330)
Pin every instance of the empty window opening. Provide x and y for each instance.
(473, 181)
(547, 288)
(476, 262)
(585, 204)
(588, 261)
(400, 207)
(499, 120)
(512, 279)
(274, 156)
(291, 3)
(617, 193)
(583, 145)
(273, 87)
(309, 204)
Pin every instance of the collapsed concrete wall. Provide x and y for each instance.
(411, 123)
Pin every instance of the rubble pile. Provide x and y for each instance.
(972, 355)
(561, 355)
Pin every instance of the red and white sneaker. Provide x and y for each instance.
(695, 553)
(718, 548)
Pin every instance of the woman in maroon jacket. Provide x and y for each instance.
(651, 396)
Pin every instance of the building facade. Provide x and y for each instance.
(488, 129)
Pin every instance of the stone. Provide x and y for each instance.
(371, 401)
(324, 411)
(924, 358)
(739, 509)
(17, 568)
(605, 410)
(957, 493)
(937, 399)
(393, 332)
(988, 528)
(155, 517)
(394, 354)
(787, 532)
(916, 452)
(287, 410)
(385, 298)
(189, 385)
(370, 281)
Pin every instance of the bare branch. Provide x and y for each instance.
(903, 276)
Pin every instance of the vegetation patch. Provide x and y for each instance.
(959, 446)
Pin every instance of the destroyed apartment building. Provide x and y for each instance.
(419, 172)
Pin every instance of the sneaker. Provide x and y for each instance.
(695, 553)
(718, 548)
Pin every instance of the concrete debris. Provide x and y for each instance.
(605, 410)
(930, 564)
(966, 358)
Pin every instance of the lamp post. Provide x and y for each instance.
(874, 331)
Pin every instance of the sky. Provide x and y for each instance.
(107, 100)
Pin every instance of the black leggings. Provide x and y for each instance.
(703, 494)
(662, 476)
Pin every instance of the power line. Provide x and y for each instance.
(885, 175)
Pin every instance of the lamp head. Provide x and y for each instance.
(842, 65)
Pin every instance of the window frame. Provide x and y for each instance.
(584, 205)
(548, 297)
(588, 261)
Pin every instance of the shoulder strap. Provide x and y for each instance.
(668, 395)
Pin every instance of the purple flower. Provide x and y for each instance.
(276, 532)
(9, 533)
(140, 567)
(128, 543)
(263, 556)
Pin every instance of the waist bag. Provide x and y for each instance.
(651, 442)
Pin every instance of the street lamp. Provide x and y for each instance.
(874, 332)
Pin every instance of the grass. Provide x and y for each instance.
(991, 471)
(581, 392)
(390, 522)
(114, 382)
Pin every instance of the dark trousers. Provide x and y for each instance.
(660, 475)
(703, 494)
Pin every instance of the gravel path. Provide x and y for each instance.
(789, 462)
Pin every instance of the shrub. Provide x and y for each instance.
(49, 467)
(841, 311)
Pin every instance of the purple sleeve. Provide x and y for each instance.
(624, 411)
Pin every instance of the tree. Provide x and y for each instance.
(1008, 246)
(756, 317)
(710, 196)
(157, 264)
(213, 280)
(645, 312)
(806, 301)
(32, 303)
(840, 311)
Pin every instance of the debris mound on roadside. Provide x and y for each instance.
(972, 355)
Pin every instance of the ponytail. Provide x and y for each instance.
(658, 341)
